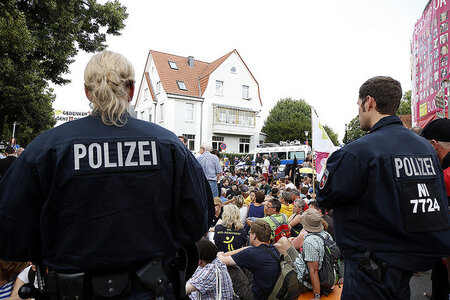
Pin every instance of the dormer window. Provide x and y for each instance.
(181, 85)
(173, 65)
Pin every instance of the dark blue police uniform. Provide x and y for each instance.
(90, 197)
(388, 195)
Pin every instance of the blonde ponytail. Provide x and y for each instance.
(108, 77)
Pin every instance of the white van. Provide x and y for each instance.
(285, 152)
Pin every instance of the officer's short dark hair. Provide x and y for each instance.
(262, 230)
(386, 91)
(207, 251)
(276, 204)
(259, 197)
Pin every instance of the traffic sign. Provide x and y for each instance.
(223, 146)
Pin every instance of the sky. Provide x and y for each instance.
(318, 51)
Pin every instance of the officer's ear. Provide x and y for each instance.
(370, 103)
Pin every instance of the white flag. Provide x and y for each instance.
(321, 143)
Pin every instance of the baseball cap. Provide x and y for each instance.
(438, 130)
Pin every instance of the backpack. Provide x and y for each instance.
(329, 273)
(287, 286)
(281, 229)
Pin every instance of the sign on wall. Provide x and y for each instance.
(430, 67)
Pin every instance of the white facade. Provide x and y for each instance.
(226, 112)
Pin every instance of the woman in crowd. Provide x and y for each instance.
(230, 234)
(8, 273)
(294, 220)
(243, 210)
(256, 209)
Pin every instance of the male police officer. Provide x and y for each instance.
(107, 200)
(387, 191)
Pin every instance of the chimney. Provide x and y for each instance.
(191, 61)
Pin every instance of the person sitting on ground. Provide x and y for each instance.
(234, 191)
(286, 207)
(242, 179)
(251, 197)
(258, 269)
(308, 264)
(274, 192)
(294, 220)
(256, 209)
(211, 279)
(8, 273)
(230, 234)
(243, 210)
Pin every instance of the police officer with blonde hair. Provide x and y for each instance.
(105, 202)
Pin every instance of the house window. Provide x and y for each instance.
(219, 88)
(189, 111)
(227, 115)
(233, 70)
(158, 87)
(142, 115)
(161, 113)
(173, 65)
(190, 140)
(146, 94)
(245, 92)
(217, 140)
(244, 145)
(181, 85)
(150, 117)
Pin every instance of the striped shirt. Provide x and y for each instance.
(210, 164)
(204, 280)
(6, 289)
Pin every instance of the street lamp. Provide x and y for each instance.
(13, 141)
(306, 134)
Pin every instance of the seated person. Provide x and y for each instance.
(8, 273)
(286, 207)
(232, 192)
(258, 270)
(308, 264)
(294, 219)
(205, 284)
(230, 234)
(273, 216)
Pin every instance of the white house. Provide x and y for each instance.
(209, 103)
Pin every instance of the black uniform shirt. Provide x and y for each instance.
(388, 195)
(87, 196)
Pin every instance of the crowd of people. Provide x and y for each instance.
(259, 216)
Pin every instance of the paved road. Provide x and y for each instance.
(420, 283)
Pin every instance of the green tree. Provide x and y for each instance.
(353, 131)
(38, 40)
(331, 134)
(405, 104)
(289, 119)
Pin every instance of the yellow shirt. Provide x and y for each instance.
(288, 210)
(247, 200)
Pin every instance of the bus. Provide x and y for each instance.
(286, 152)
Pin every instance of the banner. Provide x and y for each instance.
(429, 55)
(322, 145)
(62, 116)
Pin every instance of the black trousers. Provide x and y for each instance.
(358, 285)
(439, 279)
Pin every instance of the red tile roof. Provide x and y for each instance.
(150, 87)
(196, 78)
